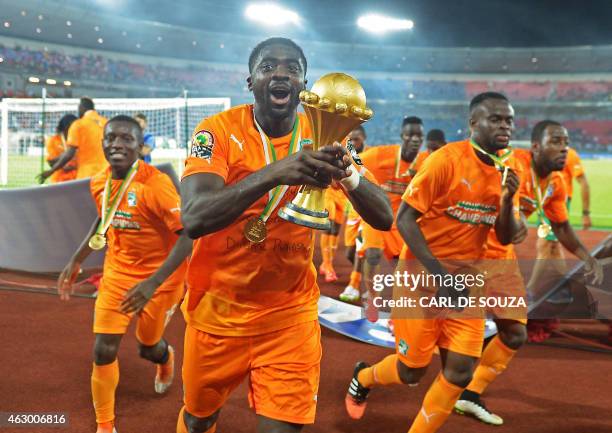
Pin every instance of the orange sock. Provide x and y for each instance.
(437, 406)
(333, 246)
(325, 249)
(182, 428)
(104, 381)
(355, 280)
(383, 373)
(493, 362)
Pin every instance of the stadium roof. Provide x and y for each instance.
(219, 32)
(438, 23)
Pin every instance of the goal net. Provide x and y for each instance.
(25, 124)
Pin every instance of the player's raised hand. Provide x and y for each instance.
(66, 280)
(138, 296)
(307, 167)
(510, 184)
(594, 271)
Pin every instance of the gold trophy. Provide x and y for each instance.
(335, 105)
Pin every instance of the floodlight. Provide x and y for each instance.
(381, 24)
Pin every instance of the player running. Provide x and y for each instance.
(251, 307)
(446, 214)
(139, 223)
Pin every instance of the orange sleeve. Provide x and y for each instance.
(429, 183)
(555, 208)
(165, 203)
(209, 150)
(73, 134)
(576, 168)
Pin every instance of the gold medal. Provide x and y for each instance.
(544, 230)
(255, 230)
(97, 241)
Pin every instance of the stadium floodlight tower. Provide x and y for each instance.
(380, 24)
(271, 14)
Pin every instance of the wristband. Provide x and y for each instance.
(586, 212)
(352, 182)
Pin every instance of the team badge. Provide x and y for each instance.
(131, 198)
(354, 154)
(403, 347)
(202, 144)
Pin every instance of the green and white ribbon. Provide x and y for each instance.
(107, 213)
(275, 195)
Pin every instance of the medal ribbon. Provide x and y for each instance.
(398, 162)
(275, 195)
(499, 161)
(535, 180)
(107, 213)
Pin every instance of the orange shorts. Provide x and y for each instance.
(335, 203)
(504, 280)
(390, 242)
(152, 320)
(416, 339)
(283, 368)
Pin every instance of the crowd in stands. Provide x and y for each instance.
(391, 98)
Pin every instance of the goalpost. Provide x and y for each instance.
(25, 124)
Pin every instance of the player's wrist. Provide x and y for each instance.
(351, 182)
(586, 212)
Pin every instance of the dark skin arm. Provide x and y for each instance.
(209, 205)
(371, 202)
(586, 201)
(506, 226)
(138, 296)
(60, 162)
(566, 235)
(72, 269)
(407, 217)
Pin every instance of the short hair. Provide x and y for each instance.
(87, 103)
(64, 123)
(275, 41)
(411, 120)
(140, 116)
(436, 135)
(481, 97)
(130, 120)
(538, 130)
(360, 128)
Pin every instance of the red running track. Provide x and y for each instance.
(45, 363)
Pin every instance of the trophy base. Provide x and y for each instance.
(305, 217)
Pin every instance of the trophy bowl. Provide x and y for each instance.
(335, 105)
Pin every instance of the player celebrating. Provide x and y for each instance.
(447, 212)
(144, 266)
(393, 167)
(251, 307)
(83, 144)
(543, 191)
(56, 145)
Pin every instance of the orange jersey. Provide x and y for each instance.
(495, 250)
(143, 230)
(54, 148)
(573, 169)
(86, 135)
(381, 161)
(235, 287)
(458, 196)
(418, 161)
(554, 193)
